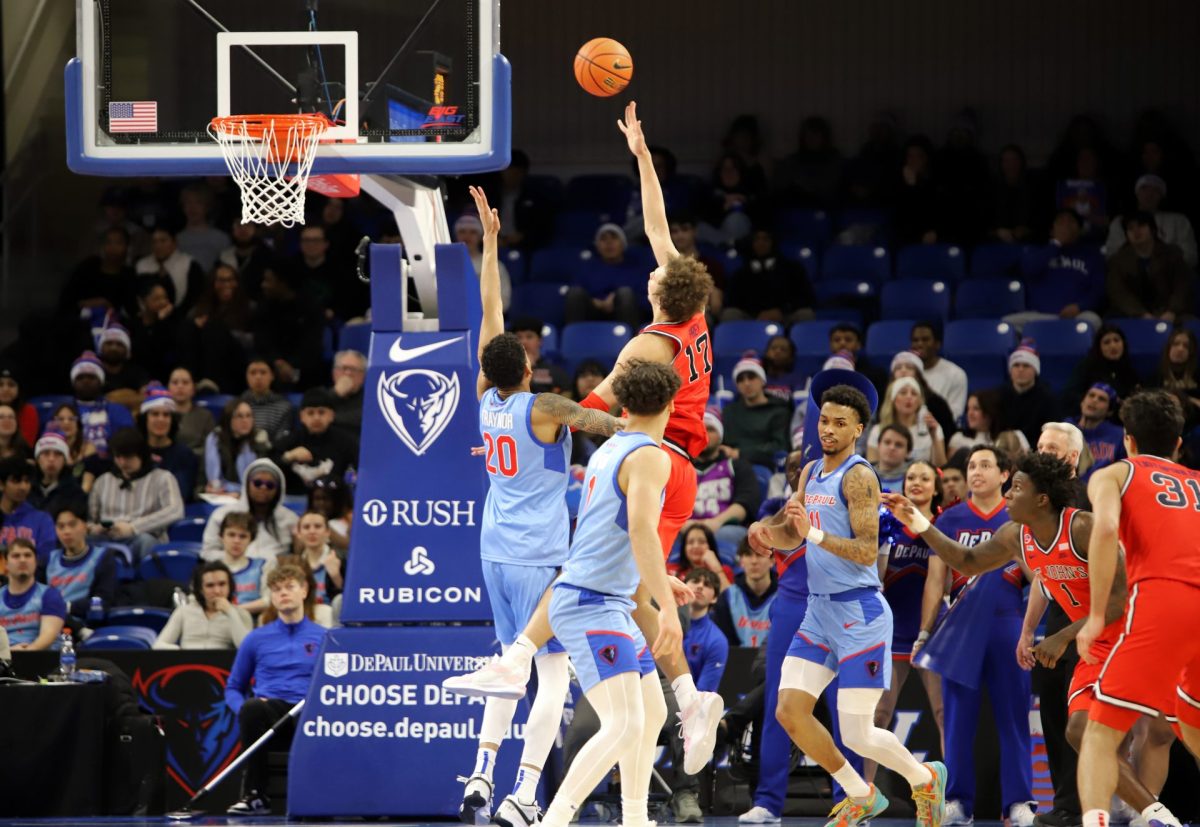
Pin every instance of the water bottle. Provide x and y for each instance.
(66, 657)
(179, 598)
(95, 614)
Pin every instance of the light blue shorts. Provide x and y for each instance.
(599, 634)
(514, 592)
(850, 634)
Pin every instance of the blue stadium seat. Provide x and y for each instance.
(812, 338)
(998, 259)
(931, 261)
(809, 228)
(734, 338)
(517, 264)
(356, 337)
(887, 338)
(126, 573)
(46, 405)
(560, 265)
(550, 342)
(980, 298)
(151, 617)
(547, 187)
(542, 300)
(1060, 337)
(601, 341)
(915, 299)
(214, 403)
(173, 561)
(1194, 326)
(607, 193)
(1146, 339)
(732, 260)
(763, 474)
(839, 314)
(858, 261)
(875, 222)
(199, 509)
(980, 347)
(577, 228)
(803, 253)
(834, 291)
(187, 530)
(120, 637)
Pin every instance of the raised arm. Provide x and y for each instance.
(563, 411)
(654, 208)
(1104, 492)
(643, 476)
(860, 487)
(648, 346)
(989, 555)
(489, 282)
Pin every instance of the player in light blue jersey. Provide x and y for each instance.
(524, 534)
(616, 545)
(847, 630)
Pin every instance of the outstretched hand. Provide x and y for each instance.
(798, 517)
(901, 507)
(488, 216)
(632, 129)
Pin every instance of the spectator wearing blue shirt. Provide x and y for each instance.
(704, 644)
(17, 517)
(159, 423)
(80, 571)
(98, 418)
(31, 613)
(608, 286)
(280, 657)
(1063, 279)
(1104, 438)
(743, 611)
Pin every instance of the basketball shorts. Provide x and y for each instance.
(679, 500)
(1187, 700)
(514, 592)
(850, 634)
(598, 633)
(1083, 680)
(1142, 674)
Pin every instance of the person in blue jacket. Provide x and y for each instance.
(280, 657)
(704, 645)
(17, 517)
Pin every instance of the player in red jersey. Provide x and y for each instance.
(1149, 506)
(678, 335)
(1050, 541)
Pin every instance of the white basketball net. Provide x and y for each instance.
(261, 152)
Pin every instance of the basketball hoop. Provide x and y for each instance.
(270, 157)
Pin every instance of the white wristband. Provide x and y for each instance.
(922, 636)
(815, 536)
(920, 523)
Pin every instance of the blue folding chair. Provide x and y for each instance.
(810, 228)
(517, 264)
(120, 637)
(577, 228)
(601, 341)
(931, 261)
(170, 561)
(732, 339)
(812, 338)
(996, 260)
(857, 261)
(980, 347)
(980, 298)
(560, 265)
(542, 300)
(214, 403)
(915, 299)
(48, 404)
(153, 618)
(1146, 339)
(187, 530)
(1060, 337)
(887, 338)
(355, 337)
(550, 342)
(606, 193)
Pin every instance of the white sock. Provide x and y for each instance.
(685, 690)
(1096, 818)
(485, 762)
(525, 790)
(852, 782)
(520, 654)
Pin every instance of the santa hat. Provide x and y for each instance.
(903, 382)
(615, 229)
(87, 363)
(749, 363)
(1026, 354)
(712, 419)
(842, 360)
(907, 357)
(114, 333)
(53, 440)
(468, 221)
(157, 397)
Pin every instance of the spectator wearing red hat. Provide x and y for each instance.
(1025, 402)
(54, 486)
(727, 490)
(99, 419)
(116, 347)
(756, 425)
(159, 424)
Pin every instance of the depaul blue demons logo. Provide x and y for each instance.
(417, 403)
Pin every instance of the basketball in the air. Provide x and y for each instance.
(603, 67)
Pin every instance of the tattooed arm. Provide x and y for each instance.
(553, 410)
(860, 486)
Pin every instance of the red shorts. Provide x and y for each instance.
(1142, 673)
(679, 499)
(1187, 699)
(1083, 679)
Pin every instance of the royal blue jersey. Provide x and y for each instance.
(21, 615)
(904, 580)
(828, 511)
(601, 556)
(967, 525)
(525, 519)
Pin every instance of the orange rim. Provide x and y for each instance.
(256, 128)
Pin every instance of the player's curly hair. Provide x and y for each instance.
(1050, 476)
(645, 388)
(850, 397)
(683, 288)
(1155, 420)
(503, 361)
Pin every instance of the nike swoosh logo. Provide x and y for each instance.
(401, 355)
(619, 65)
(848, 625)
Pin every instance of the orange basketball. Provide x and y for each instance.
(603, 67)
